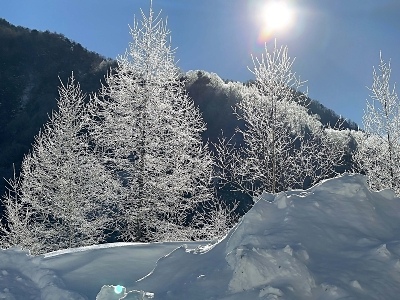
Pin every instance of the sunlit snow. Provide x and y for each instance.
(337, 240)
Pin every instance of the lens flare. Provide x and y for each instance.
(118, 289)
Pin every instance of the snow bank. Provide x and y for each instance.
(23, 276)
(335, 240)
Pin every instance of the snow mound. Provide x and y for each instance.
(336, 240)
(22, 277)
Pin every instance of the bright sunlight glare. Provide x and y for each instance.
(277, 15)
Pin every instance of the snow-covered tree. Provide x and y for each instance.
(63, 182)
(214, 219)
(151, 130)
(378, 153)
(17, 229)
(284, 147)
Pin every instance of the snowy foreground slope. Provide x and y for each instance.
(337, 240)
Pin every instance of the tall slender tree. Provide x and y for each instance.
(63, 185)
(281, 150)
(378, 153)
(151, 131)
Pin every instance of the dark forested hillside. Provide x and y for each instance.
(31, 62)
(216, 97)
(215, 103)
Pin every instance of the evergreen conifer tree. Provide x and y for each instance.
(64, 188)
(151, 130)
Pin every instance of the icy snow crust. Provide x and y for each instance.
(337, 240)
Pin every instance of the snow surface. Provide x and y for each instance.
(337, 240)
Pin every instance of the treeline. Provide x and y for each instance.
(31, 62)
(216, 99)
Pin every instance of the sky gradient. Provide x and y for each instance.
(336, 42)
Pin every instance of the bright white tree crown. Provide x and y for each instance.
(64, 190)
(151, 130)
(378, 152)
(281, 150)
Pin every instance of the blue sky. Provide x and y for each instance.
(336, 42)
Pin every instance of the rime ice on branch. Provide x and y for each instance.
(280, 151)
(150, 130)
(64, 191)
(378, 153)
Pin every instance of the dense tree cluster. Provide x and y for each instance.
(129, 162)
(28, 90)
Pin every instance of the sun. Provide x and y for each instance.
(277, 15)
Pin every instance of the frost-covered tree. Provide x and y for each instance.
(283, 147)
(151, 131)
(63, 184)
(214, 219)
(378, 152)
(17, 229)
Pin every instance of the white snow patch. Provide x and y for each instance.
(270, 291)
(286, 247)
(356, 284)
(382, 251)
(288, 250)
(281, 200)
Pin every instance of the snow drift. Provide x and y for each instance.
(337, 240)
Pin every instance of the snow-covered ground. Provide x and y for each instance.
(337, 240)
